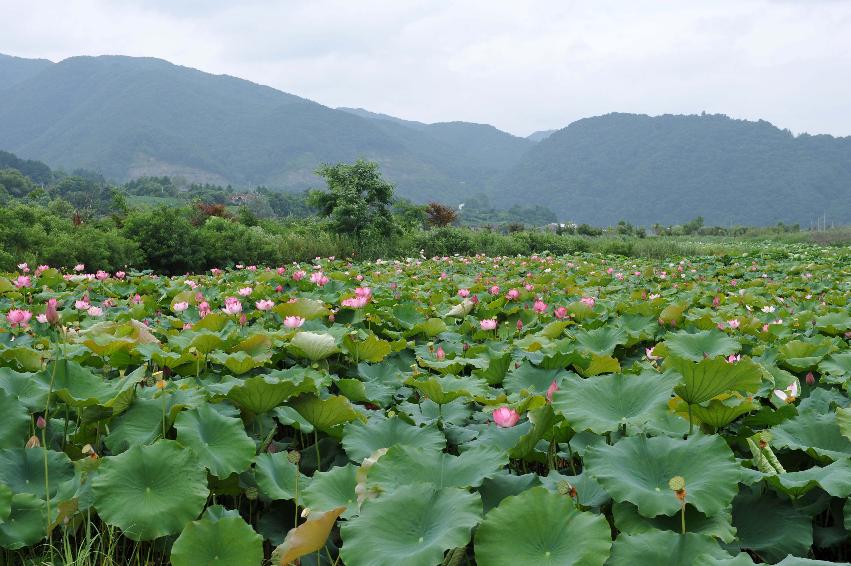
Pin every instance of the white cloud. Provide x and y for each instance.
(521, 66)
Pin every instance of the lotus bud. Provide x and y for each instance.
(40, 422)
(810, 378)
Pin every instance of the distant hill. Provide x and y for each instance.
(672, 168)
(540, 135)
(127, 117)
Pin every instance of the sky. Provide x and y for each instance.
(521, 65)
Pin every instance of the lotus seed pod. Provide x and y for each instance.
(251, 493)
(677, 483)
(293, 457)
(563, 487)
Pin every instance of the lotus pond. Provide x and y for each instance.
(582, 410)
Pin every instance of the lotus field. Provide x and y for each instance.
(579, 410)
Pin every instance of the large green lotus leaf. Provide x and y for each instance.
(326, 414)
(219, 442)
(311, 536)
(263, 393)
(603, 403)
(770, 525)
(798, 355)
(238, 362)
(835, 479)
(307, 309)
(289, 417)
(816, 434)
(413, 525)
(431, 327)
(833, 323)
(31, 393)
(446, 388)
(365, 391)
(505, 484)
(27, 359)
(531, 379)
(637, 327)
(402, 465)
(599, 365)
(225, 541)
(150, 491)
(628, 521)
(836, 368)
(142, 423)
(589, 493)
(822, 400)
(428, 412)
(540, 527)
(15, 422)
(372, 349)
(314, 346)
(362, 439)
(700, 345)
(701, 381)
(5, 502)
(495, 372)
(741, 559)
(79, 387)
(719, 412)
(22, 470)
(601, 341)
(638, 469)
(663, 547)
(542, 420)
(277, 477)
(332, 489)
(26, 523)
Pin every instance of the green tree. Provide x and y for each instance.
(168, 241)
(358, 199)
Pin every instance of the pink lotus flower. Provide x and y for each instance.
(41, 269)
(264, 304)
(204, 309)
(731, 359)
(187, 326)
(94, 311)
(101, 275)
(359, 277)
(519, 325)
(42, 318)
(232, 306)
(512, 294)
(25, 268)
(251, 268)
(281, 270)
(365, 292)
(560, 312)
(529, 286)
(494, 290)
(540, 306)
(23, 281)
(441, 355)
(550, 390)
(19, 318)
(649, 353)
(245, 291)
(505, 417)
(488, 324)
(81, 305)
(137, 299)
(318, 278)
(734, 323)
(355, 302)
(590, 301)
(293, 321)
(216, 271)
(80, 267)
(180, 307)
(120, 274)
(463, 293)
(299, 275)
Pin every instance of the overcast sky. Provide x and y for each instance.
(521, 65)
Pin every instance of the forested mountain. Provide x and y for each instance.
(671, 168)
(128, 117)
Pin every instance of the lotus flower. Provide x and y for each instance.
(590, 301)
(488, 324)
(180, 307)
(23, 281)
(79, 267)
(540, 306)
(463, 293)
(512, 294)
(560, 312)
(299, 275)
(264, 304)
(789, 394)
(293, 321)
(494, 290)
(101, 275)
(204, 309)
(19, 318)
(81, 305)
(232, 306)
(441, 355)
(120, 274)
(505, 417)
(94, 311)
(550, 390)
(245, 291)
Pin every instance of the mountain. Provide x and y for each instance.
(14, 70)
(669, 169)
(128, 117)
(540, 135)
